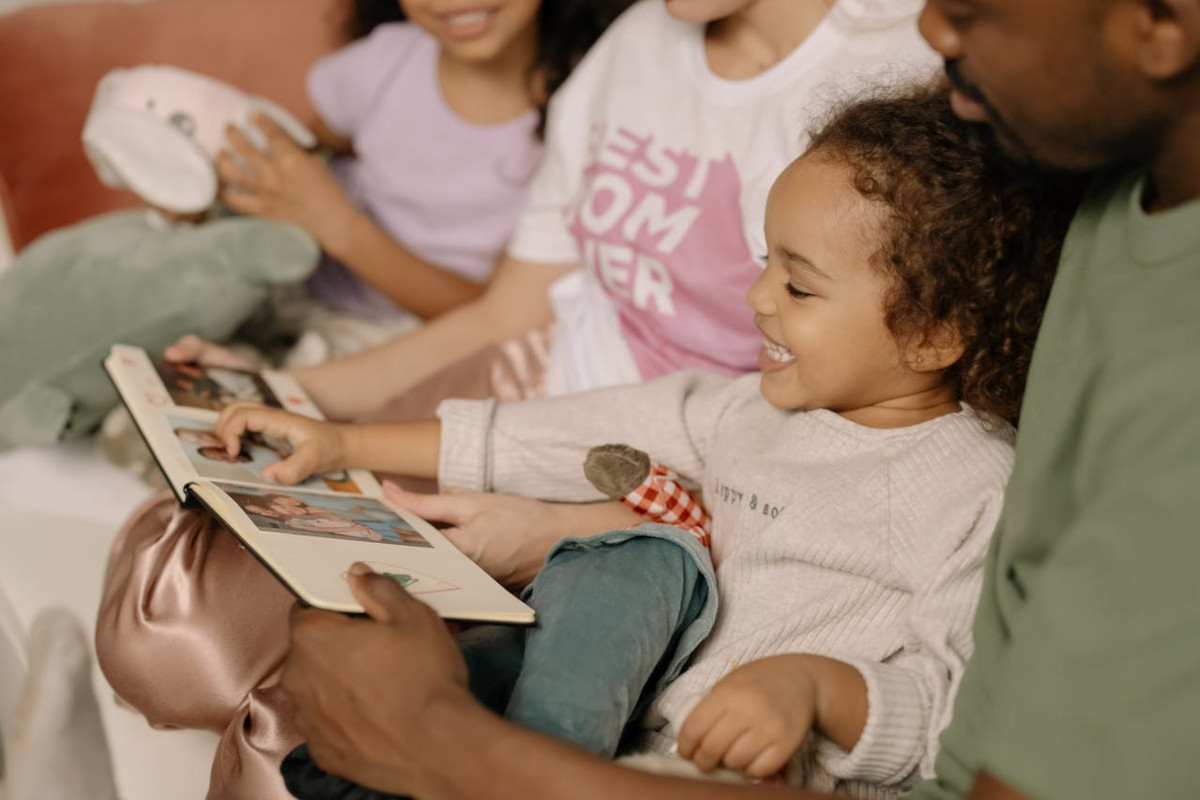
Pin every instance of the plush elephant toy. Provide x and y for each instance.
(156, 131)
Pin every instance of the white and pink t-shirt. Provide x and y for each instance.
(655, 178)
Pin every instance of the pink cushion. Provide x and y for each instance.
(52, 56)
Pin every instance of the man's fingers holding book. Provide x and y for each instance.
(381, 597)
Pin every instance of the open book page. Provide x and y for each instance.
(308, 540)
(192, 432)
(307, 534)
(176, 407)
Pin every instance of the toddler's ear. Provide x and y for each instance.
(938, 348)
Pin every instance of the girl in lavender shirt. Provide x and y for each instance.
(435, 121)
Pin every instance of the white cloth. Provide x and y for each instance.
(656, 174)
(584, 315)
(862, 544)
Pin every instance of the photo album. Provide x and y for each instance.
(308, 534)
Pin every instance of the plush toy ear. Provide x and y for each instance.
(294, 127)
(135, 150)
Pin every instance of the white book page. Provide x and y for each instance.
(176, 409)
(309, 540)
(147, 398)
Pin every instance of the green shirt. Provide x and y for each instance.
(1085, 681)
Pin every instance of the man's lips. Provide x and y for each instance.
(968, 108)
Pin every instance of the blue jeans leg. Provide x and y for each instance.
(608, 619)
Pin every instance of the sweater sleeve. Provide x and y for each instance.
(537, 448)
(941, 541)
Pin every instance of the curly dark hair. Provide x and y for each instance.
(566, 29)
(972, 241)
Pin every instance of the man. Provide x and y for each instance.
(1085, 681)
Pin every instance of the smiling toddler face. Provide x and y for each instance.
(820, 302)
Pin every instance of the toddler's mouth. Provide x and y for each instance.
(777, 352)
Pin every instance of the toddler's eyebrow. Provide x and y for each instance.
(796, 260)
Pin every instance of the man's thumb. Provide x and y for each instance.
(381, 596)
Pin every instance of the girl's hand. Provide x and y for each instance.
(506, 535)
(283, 182)
(754, 719)
(316, 446)
(192, 349)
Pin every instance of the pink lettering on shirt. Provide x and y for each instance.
(662, 231)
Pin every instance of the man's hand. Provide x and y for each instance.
(283, 182)
(754, 719)
(367, 693)
(317, 446)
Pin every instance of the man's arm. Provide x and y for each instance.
(383, 702)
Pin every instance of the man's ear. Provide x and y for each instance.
(937, 348)
(1165, 37)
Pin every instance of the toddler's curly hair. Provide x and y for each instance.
(972, 241)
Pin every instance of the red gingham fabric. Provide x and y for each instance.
(660, 498)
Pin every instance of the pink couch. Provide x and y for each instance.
(52, 56)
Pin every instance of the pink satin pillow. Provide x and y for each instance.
(51, 58)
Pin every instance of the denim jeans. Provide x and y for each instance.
(617, 617)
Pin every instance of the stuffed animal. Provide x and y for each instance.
(135, 276)
(156, 131)
(627, 474)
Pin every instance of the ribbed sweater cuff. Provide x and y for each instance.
(893, 740)
(464, 461)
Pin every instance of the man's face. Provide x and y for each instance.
(1049, 76)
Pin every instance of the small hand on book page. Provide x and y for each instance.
(317, 446)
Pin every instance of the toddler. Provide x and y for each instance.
(853, 483)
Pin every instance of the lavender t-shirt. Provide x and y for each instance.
(447, 189)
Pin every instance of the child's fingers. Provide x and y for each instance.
(193, 349)
(703, 717)
(439, 507)
(745, 749)
(278, 140)
(242, 201)
(299, 465)
(465, 543)
(769, 761)
(241, 418)
(252, 157)
(231, 424)
(187, 349)
(231, 171)
(711, 749)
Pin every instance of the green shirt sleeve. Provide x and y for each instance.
(1098, 693)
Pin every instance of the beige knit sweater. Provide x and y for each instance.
(861, 544)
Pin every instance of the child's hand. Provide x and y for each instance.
(283, 182)
(191, 349)
(754, 719)
(316, 446)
